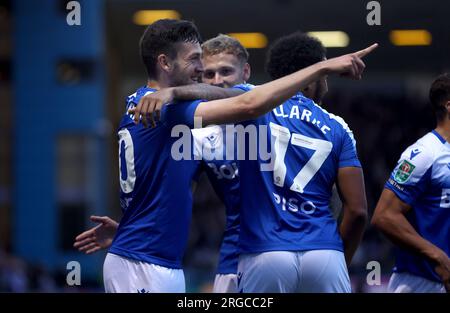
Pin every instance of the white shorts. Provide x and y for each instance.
(288, 271)
(409, 283)
(125, 275)
(225, 283)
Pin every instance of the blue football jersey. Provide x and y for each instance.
(155, 191)
(422, 180)
(210, 145)
(285, 194)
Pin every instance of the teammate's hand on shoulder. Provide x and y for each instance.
(98, 237)
(149, 107)
(349, 65)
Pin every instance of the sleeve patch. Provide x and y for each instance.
(404, 172)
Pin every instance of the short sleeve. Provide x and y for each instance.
(180, 113)
(408, 179)
(349, 156)
(244, 87)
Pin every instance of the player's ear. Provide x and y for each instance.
(163, 62)
(247, 72)
(447, 107)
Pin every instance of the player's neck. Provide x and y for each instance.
(153, 84)
(163, 81)
(159, 85)
(443, 129)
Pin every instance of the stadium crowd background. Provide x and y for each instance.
(387, 111)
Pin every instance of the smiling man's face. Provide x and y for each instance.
(187, 66)
(224, 70)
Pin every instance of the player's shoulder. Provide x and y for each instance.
(337, 123)
(136, 96)
(244, 87)
(418, 159)
(425, 150)
(130, 102)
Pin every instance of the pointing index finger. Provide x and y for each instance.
(362, 53)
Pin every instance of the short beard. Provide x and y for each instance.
(178, 79)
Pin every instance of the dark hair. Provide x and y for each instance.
(161, 37)
(439, 94)
(225, 44)
(293, 52)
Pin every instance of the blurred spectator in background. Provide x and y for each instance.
(16, 275)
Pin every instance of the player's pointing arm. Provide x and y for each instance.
(256, 102)
(268, 96)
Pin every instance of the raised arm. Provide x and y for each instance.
(149, 106)
(204, 91)
(266, 97)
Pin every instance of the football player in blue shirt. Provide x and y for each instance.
(149, 244)
(414, 207)
(289, 239)
(225, 63)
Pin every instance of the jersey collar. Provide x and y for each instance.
(439, 136)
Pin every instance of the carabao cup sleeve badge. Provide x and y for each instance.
(404, 172)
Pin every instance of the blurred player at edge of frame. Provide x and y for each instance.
(414, 207)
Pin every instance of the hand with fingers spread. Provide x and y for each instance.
(349, 65)
(98, 237)
(148, 110)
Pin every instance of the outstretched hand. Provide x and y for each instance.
(98, 237)
(349, 65)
